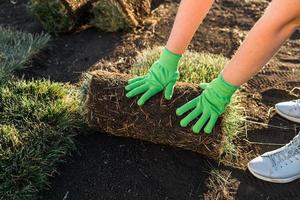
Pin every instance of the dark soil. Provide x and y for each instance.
(109, 167)
(118, 168)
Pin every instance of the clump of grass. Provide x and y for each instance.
(83, 91)
(38, 122)
(218, 184)
(56, 16)
(201, 68)
(116, 15)
(233, 123)
(109, 16)
(16, 48)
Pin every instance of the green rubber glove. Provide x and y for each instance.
(210, 105)
(162, 75)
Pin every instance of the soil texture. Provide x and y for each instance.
(107, 167)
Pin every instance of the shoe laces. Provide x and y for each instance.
(298, 102)
(287, 153)
(296, 107)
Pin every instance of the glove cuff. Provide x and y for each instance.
(223, 87)
(169, 59)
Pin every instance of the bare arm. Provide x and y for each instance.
(279, 21)
(276, 25)
(189, 16)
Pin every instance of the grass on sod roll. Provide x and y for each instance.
(56, 16)
(38, 122)
(16, 48)
(199, 68)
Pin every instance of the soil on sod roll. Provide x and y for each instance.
(60, 16)
(109, 110)
(115, 15)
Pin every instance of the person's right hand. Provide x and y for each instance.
(162, 75)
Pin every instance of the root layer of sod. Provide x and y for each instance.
(111, 111)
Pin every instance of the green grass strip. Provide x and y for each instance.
(38, 122)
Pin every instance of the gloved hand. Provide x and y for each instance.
(211, 104)
(162, 75)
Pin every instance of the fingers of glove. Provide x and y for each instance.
(211, 124)
(203, 85)
(137, 91)
(130, 81)
(200, 123)
(134, 85)
(169, 90)
(147, 95)
(190, 117)
(186, 107)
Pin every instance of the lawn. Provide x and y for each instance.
(39, 120)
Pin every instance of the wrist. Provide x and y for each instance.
(169, 59)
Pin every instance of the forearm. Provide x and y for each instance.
(262, 42)
(189, 16)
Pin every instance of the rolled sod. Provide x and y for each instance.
(60, 16)
(109, 110)
(115, 15)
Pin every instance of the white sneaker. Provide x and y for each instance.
(279, 166)
(289, 110)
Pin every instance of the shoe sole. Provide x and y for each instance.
(286, 180)
(293, 119)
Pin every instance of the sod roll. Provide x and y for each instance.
(115, 15)
(109, 110)
(60, 16)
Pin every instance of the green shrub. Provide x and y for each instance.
(200, 68)
(38, 122)
(16, 48)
